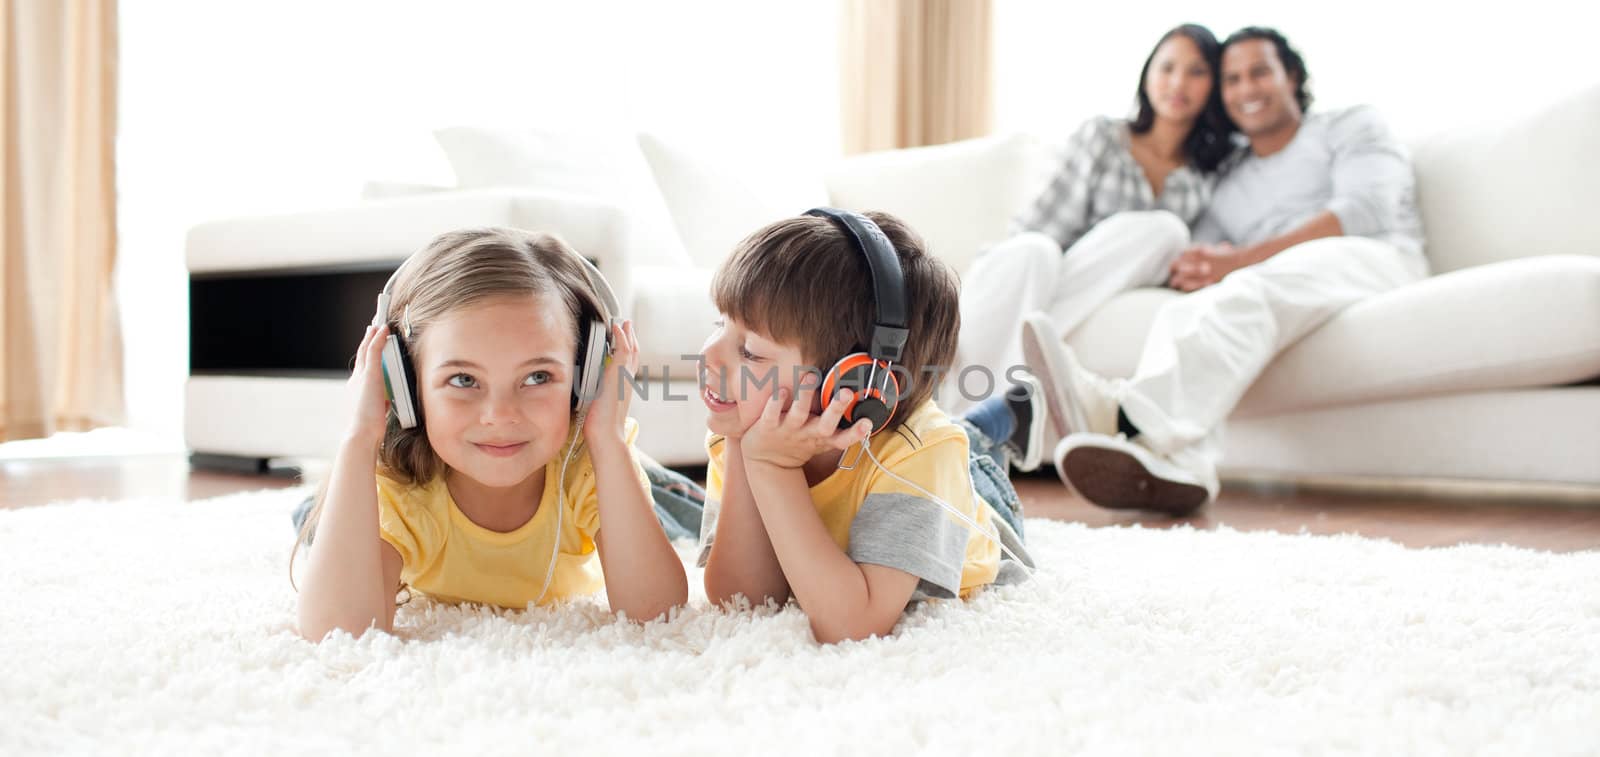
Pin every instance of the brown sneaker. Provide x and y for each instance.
(1122, 474)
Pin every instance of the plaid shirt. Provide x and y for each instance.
(1098, 177)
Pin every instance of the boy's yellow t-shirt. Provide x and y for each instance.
(447, 556)
(878, 520)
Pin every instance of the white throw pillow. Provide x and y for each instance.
(597, 164)
(959, 196)
(718, 198)
(1526, 187)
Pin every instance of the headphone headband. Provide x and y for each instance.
(597, 284)
(594, 345)
(888, 281)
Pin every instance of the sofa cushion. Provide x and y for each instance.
(718, 197)
(673, 315)
(1109, 342)
(605, 166)
(390, 230)
(388, 190)
(960, 196)
(1525, 188)
(1513, 435)
(1520, 323)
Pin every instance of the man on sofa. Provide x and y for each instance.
(1319, 213)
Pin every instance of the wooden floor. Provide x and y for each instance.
(1413, 521)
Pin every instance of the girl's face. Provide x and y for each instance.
(496, 386)
(1179, 80)
(742, 370)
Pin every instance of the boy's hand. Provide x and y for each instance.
(609, 412)
(787, 439)
(370, 405)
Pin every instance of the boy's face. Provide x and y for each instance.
(496, 387)
(742, 370)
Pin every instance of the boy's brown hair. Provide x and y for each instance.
(802, 281)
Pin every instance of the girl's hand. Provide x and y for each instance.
(609, 412)
(787, 439)
(370, 405)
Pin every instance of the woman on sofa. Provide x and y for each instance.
(1124, 187)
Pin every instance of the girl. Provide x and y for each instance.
(507, 481)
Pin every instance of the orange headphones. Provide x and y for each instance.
(870, 375)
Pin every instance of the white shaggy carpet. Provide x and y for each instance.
(162, 627)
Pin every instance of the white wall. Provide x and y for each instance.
(233, 109)
(1428, 66)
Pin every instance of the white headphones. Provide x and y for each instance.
(400, 378)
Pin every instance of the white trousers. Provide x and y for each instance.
(1029, 273)
(1206, 348)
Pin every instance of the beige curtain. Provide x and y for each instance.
(915, 72)
(58, 318)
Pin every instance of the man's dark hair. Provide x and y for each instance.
(1291, 60)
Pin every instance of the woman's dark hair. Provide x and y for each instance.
(1293, 64)
(1209, 141)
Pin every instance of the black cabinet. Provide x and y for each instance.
(302, 322)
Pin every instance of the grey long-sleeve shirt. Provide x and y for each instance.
(1343, 161)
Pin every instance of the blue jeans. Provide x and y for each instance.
(679, 502)
(987, 463)
(993, 417)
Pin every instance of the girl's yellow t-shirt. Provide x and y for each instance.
(447, 556)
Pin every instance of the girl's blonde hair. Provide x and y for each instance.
(460, 269)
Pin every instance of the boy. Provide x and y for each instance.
(796, 507)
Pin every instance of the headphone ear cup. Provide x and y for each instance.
(873, 409)
(590, 371)
(876, 402)
(400, 383)
(889, 394)
(881, 400)
(849, 373)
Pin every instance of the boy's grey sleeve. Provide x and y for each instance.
(912, 534)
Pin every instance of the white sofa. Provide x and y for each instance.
(1484, 374)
